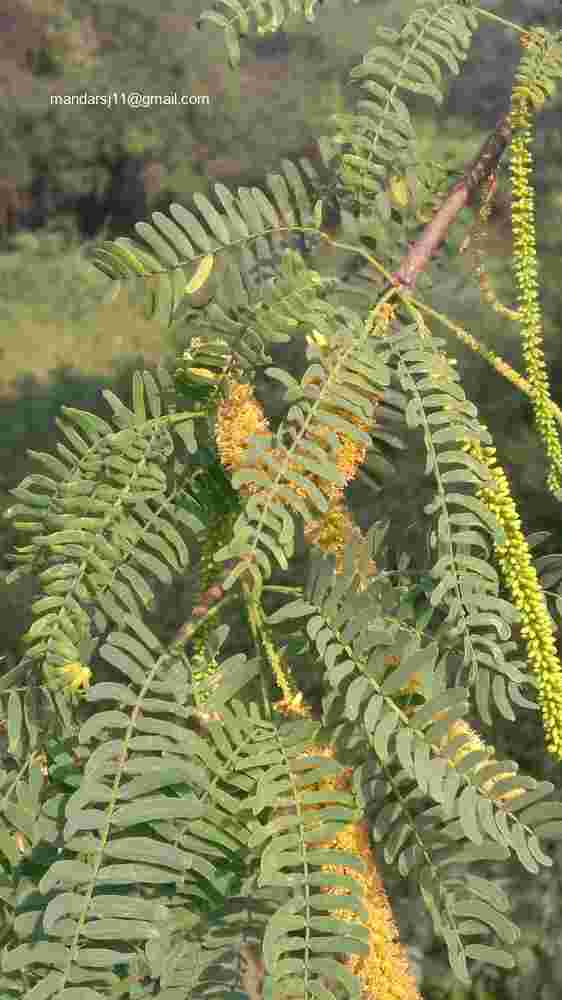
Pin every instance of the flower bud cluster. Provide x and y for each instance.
(521, 580)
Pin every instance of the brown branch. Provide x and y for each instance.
(207, 602)
(460, 194)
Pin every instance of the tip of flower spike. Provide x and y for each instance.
(73, 676)
(293, 706)
(317, 338)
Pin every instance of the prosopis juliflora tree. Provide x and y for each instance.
(201, 810)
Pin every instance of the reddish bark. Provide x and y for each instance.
(9, 206)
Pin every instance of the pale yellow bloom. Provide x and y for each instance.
(239, 416)
(384, 973)
(74, 676)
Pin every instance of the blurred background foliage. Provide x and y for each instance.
(62, 343)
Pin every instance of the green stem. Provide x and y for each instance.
(283, 590)
(251, 608)
(501, 20)
(265, 646)
(495, 360)
(190, 628)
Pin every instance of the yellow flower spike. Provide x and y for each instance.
(520, 578)
(526, 276)
(384, 973)
(349, 457)
(471, 743)
(238, 417)
(474, 742)
(333, 531)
